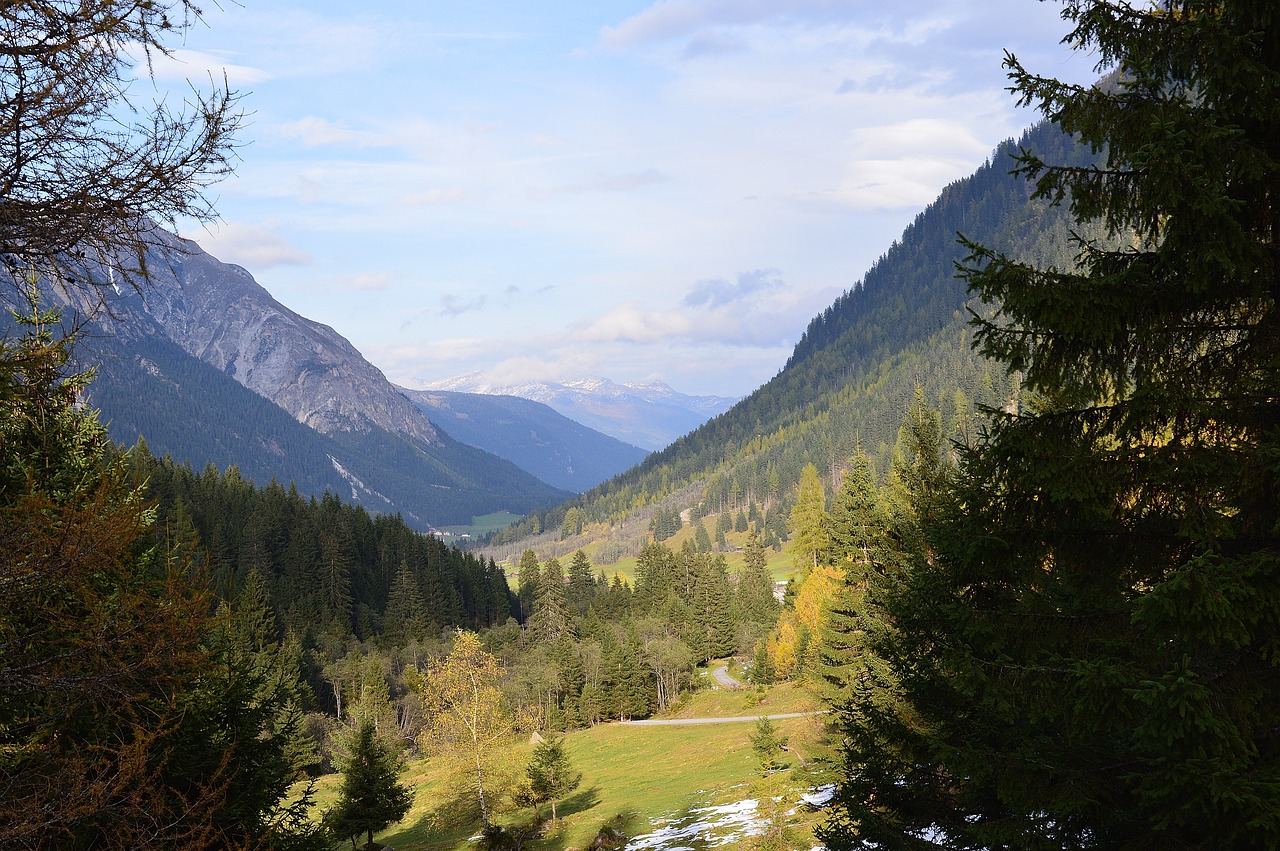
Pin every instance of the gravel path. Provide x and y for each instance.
(733, 720)
(722, 676)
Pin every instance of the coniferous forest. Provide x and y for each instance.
(1037, 587)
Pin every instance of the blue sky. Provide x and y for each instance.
(665, 190)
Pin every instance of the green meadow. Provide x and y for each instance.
(633, 775)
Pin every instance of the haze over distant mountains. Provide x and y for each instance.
(530, 435)
(647, 415)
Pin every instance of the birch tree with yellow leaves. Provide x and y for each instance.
(471, 724)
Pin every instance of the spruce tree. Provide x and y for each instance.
(551, 617)
(371, 797)
(753, 598)
(1088, 659)
(405, 619)
(529, 574)
(867, 543)
(655, 576)
(810, 525)
(582, 584)
(701, 539)
(711, 607)
(858, 518)
(551, 775)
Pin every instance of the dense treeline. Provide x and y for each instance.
(594, 650)
(330, 568)
(354, 591)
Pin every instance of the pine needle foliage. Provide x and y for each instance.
(1086, 655)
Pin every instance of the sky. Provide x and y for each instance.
(637, 190)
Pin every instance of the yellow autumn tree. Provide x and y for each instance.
(783, 646)
(814, 600)
(470, 723)
(793, 646)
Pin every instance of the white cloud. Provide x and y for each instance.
(254, 248)
(629, 322)
(717, 292)
(198, 66)
(432, 197)
(298, 42)
(905, 164)
(758, 310)
(454, 305)
(313, 131)
(609, 183)
(367, 281)
(671, 19)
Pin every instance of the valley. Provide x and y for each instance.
(992, 560)
(687, 768)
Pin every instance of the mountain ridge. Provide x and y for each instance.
(197, 324)
(650, 415)
(533, 436)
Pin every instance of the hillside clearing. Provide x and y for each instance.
(640, 778)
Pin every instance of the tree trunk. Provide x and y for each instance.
(484, 806)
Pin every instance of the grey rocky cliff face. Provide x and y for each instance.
(218, 313)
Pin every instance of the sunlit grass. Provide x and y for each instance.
(639, 772)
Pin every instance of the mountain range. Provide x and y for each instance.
(208, 367)
(531, 435)
(205, 365)
(649, 415)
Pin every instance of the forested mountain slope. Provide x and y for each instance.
(329, 567)
(531, 435)
(853, 372)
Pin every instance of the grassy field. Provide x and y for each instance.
(484, 524)
(633, 775)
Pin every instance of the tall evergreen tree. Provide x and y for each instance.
(872, 548)
(371, 798)
(1089, 660)
(858, 518)
(753, 598)
(551, 616)
(529, 573)
(810, 525)
(713, 626)
(655, 576)
(406, 617)
(582, 585)
(700, 537)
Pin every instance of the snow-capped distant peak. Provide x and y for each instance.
(649, 414)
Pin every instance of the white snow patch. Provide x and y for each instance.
(821, 796)
(356, 484)
(727, 824)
